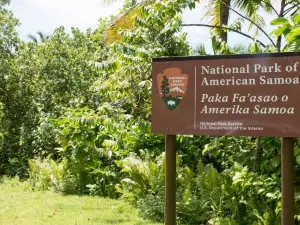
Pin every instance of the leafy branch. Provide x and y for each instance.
(226, 28)
(286, 11)
(251, 21)
(271, 6)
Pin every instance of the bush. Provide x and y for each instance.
(204, 195)
(46, 174)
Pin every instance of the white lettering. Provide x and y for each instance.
(278, 80)
(272, 110)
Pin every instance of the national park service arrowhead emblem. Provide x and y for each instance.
(172, 86)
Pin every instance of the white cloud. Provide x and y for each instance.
(47, 15)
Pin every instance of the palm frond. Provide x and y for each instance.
(259, 20)
(247, 6)
(42, 36)
(123, 22)
(240, 49)
(213, 15)
(218, 15)
(200, 50)
(108, 2)
(33, 38)
(213, 12)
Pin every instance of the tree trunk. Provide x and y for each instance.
(224, 17)
(281, 14)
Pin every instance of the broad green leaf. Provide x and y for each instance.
(271, 195)
(237, 166)
(296, 151)
(279, 31)
(296, 18)
(279, 21)
(293, 34)
(207, 148)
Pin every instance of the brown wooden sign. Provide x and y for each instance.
(245, 95)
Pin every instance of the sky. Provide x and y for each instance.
(47, 15)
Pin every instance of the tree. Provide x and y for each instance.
(165, 86)
(41, 36)
(157, 33)
(289, 29)
(287, 8)
(125, 20)
(37, 82)
(247, 12)
(4, 2)
(218, 12)
(9, 113)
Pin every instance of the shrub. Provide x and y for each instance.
(204, 195)
(46, 174)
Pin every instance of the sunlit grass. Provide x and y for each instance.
(21, 207)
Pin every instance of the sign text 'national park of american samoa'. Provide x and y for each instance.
(245, 95)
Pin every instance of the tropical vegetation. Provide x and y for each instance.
(75, 113)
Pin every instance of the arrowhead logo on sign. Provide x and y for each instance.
(172, 86)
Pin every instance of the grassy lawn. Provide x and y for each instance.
(20, 207)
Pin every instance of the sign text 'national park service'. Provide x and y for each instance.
(245, 95)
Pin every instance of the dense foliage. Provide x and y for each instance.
(75, 118)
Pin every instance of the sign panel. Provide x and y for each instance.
(245, 95)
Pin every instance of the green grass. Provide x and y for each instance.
(21, 207)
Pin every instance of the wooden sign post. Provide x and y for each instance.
(287, 181)
(170, 186)
(229, 95)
